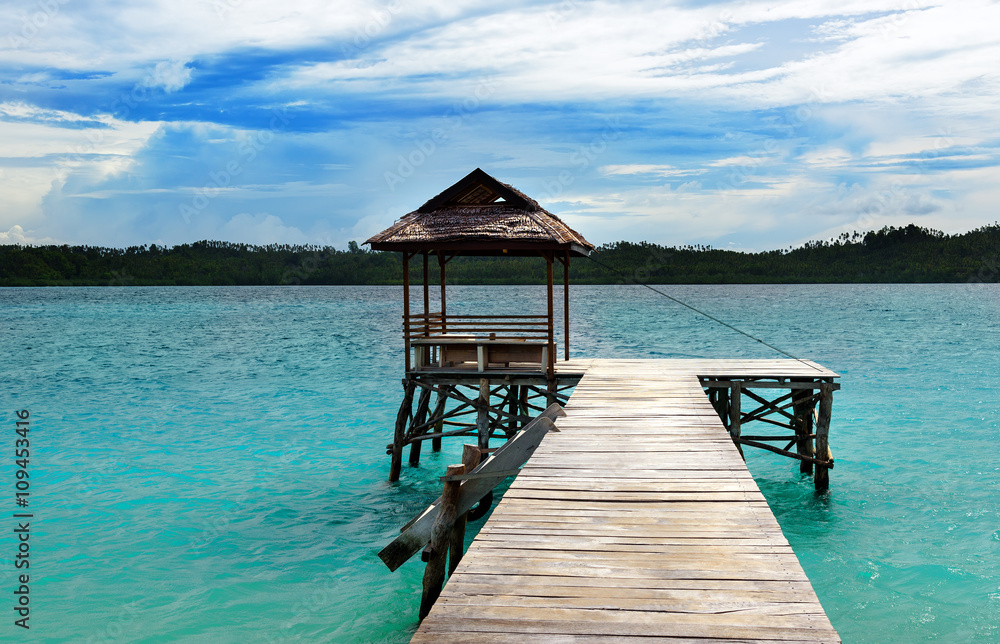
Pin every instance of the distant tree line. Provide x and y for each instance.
(890, 255)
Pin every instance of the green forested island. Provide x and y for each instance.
(891, 255)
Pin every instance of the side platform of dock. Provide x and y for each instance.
(637, 521)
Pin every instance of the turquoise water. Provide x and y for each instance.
(208, 464)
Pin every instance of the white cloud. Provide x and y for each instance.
(15, 235)
(260, 229)
(170, 75)
(826, 157)
(744, 161)
(882, 50)
(642, 168)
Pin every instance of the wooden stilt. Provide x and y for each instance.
(512, 403)
(550, 393)
(723, 407)
(483, 414)
(734, 414)
(803, 405)
(822, 478)
(439, 543)
(400, 434)
(438, 412)
(419, 417)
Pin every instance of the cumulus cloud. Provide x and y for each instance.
(170, 75)
(261, 229)
(14, 236)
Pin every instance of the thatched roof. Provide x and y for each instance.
(480, 215)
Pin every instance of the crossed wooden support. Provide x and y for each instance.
(490, 407)
(805, 410)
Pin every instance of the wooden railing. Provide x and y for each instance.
(495, 327)
(511, 338)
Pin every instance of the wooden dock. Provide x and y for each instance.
(637, 521)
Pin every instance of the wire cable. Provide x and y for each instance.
(700, 312)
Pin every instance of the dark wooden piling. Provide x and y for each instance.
(419, 417)
(483, 414)
(439, 543)
(735, 419)
(512, 403)
(399, 436)
(803, 404)
(822, 479)
(439, 407)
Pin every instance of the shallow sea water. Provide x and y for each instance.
(208, 464)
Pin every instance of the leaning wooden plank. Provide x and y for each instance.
(553, 412)
(509, 456)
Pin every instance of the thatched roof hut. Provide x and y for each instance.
(481, 216)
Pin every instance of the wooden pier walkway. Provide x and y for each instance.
(638, 521)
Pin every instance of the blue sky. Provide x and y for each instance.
(751, 125)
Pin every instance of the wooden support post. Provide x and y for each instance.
(400, 434)
(471, 456)
(483, 414)
(444, 303)
(550, 362)
(523, 403)
(723, 399)
(734, 413)
(512, 402)
(427, 299)
(802, 406)
(822, 479)
(439, 411)
(419, 417)
(566, 307)
(406, 309)
(439, 546)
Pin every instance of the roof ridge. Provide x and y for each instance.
(448, 219)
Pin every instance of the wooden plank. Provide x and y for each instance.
(471, 622)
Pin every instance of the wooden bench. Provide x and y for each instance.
(458, 350)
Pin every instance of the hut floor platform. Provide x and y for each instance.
(637, 522)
